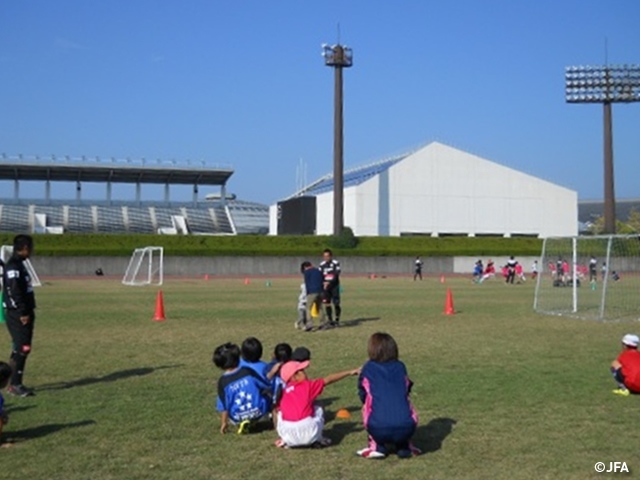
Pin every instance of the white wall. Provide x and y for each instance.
(324, 214)
(441, 190)
(273, 219)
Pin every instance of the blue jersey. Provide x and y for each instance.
(244, 394)
(259, 367)
(277, 384)
(1, 404)
(384, 390)
(313, 279)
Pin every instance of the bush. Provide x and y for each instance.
(254, 245)
(346, 240)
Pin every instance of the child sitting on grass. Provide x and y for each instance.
(384, 389)
(626, 368)
(300, 421)
(5, 376)
(251, 354)
(244, 396)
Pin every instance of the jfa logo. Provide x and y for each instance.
(614, 467)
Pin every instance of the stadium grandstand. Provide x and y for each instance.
(215, 214)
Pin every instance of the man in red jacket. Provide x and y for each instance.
(626, 368)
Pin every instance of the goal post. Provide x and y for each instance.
(590, 277)
(5, 254)
(145, 267)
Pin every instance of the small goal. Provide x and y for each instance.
(5, 254)
(145, 267)
(590, 277)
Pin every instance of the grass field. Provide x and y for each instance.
(502, 393)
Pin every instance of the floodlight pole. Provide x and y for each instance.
(609, 191)
(338, 57)
(604, 84)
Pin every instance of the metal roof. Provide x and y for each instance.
(352, 177)
(116, 171)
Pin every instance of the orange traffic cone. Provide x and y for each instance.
(159, 316)
(206, 277)
(246, 280)
(442, 279)
(448, 306)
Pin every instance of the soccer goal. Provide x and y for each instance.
(145, 267)
(590, 277)
(5, 254)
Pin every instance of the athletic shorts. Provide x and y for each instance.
(303, 432)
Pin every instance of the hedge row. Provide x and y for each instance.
(251, 245)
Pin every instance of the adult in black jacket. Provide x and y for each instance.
(20, 305)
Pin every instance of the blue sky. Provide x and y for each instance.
(243, 83)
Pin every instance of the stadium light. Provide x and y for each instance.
(604, 84)
(338, 57)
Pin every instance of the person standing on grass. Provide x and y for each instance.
(301, 322)
(330, 268)
(626, 368)
(417, 265)
(511, 270)
(313, 282)
(19, 301)
(384, 387)
(593, 269)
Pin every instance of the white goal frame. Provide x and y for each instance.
(5, 254)
(146, 267)
(604, 302)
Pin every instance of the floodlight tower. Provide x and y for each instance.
(604, 84)
(338, 57)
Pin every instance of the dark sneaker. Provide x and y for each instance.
(20, 391)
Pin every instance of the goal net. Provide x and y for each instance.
(590, 277)
(145, 267)
(5, 254)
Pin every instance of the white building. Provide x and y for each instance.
(439, 190)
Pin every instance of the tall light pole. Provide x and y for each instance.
(604, 84)
(338, 57)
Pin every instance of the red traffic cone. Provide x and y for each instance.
(448, 306)
(246, 280)
(159, 315)
(442, 279)
(206, 277)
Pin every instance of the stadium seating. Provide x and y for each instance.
(128, 217)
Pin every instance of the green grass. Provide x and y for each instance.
(502, 393)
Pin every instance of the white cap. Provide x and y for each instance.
(631, 340)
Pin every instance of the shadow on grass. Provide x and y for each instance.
(44, 430)
(340, 429)
(357, 321)
(112, 377)
(14, 409)
(429, 437)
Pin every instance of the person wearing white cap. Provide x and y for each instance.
(626, 368)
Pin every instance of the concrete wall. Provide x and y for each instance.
(241, 266)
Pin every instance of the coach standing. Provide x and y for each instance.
(20, 304)
(330, 268)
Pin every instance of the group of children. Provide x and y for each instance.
(511, 271)
(251, 389)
